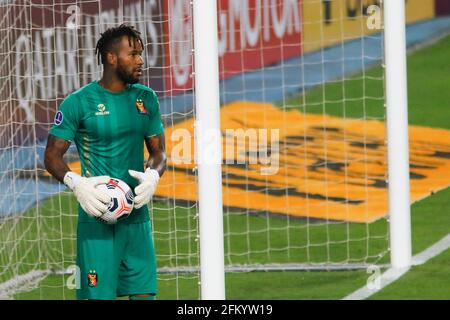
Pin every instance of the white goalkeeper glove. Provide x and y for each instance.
(147, 186)
(93, 201)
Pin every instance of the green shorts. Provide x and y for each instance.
(115, 260)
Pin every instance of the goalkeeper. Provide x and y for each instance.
(109, 120)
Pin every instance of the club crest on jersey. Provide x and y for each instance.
(140, 106)
(92, 278)
(101, 110)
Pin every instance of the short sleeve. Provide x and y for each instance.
(66, 120)
(155, 126)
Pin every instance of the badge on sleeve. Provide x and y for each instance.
(58, 118)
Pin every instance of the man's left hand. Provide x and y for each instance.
(148, 181)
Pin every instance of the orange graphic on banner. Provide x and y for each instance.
(329, 167)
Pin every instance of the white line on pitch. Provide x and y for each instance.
(393, 274)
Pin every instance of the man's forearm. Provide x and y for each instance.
(53, 161)
(158, 161)
(56, 167)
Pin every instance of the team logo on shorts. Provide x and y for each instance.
(58, 118)
(92, 278)
(140, 106)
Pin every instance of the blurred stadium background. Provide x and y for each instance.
(312, 69)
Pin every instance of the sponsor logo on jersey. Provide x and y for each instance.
(92, 278)
(101, 110)
(58, 118)
(140, 106)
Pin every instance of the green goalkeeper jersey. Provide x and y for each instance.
(108, 130)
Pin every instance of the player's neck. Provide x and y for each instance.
(111, 82)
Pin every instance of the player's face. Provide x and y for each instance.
(129, 60)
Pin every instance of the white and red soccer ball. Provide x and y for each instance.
(122, 200)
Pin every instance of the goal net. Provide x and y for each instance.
(302, 121)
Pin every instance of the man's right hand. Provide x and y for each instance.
(93, 201)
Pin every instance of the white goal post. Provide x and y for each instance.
(209, 157)
(397, 133)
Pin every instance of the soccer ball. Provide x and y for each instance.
(122, 200)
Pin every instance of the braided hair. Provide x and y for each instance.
(113, 35)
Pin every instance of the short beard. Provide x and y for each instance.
(127, 78)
